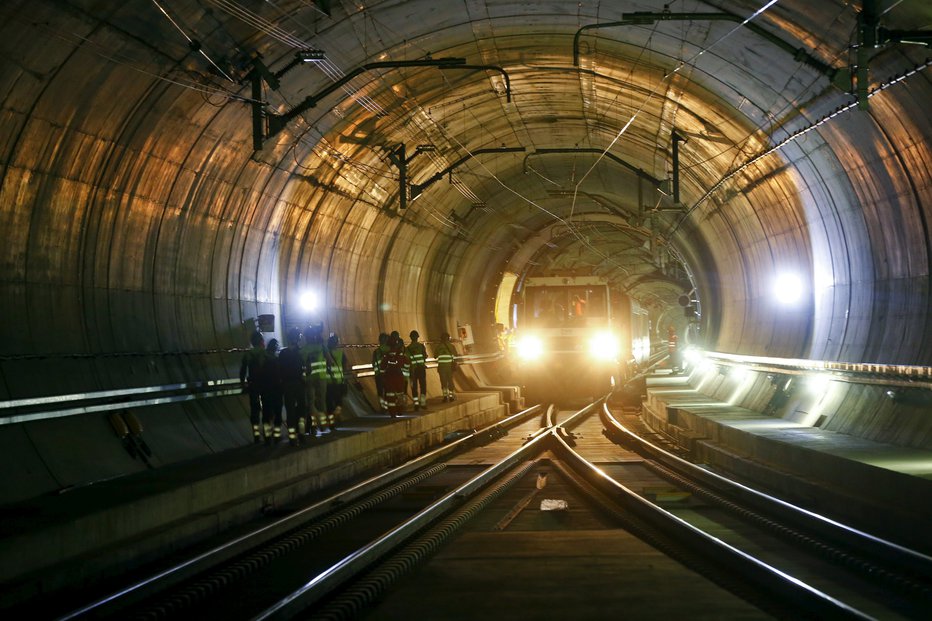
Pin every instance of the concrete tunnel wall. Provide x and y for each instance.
(137, 219)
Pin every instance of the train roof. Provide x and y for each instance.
(563, 281)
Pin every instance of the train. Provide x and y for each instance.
(576, 337)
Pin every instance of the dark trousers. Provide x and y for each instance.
(272, 401)
(335, 394)
(255, 405)
(293, 395)
(418, 381)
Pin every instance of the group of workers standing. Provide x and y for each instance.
(395, 365)
(309, 379)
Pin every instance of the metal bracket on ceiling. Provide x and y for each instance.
(418, 188)
(641, 18)
(637, 171)
(676, 138)
(398, 157)
(872, 35)
(268, 124)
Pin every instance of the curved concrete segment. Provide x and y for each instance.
(169, 175)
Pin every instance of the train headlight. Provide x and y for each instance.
(529, 348)
(604, 346)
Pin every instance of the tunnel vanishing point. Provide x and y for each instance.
(173, 170)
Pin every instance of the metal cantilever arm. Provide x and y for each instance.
(274, 123)
(488, 68)
(277, 122)
(416, 189)
(646, 17)
(637, 171)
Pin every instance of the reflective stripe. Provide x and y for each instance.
(417, 353)
(377, 356)
(445, 354)
(336, 370)
(315, 360)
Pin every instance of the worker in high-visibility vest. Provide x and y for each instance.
(316, 359)
(250, 376)
(338, 372)
(377, 354)
(291, 368)
(417, 354)
(272, 397)
(393, 364)
(445, 354)
(673, 350)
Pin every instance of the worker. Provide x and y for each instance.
(291, 368)
(315, 357)
(377, 354)
(272, 395)
(406, 370)
(501, 344)
(393, 364)
(250, 376)
(579, 306)
(417, 354)
(673, 350)
(338, 372)
(445, 354)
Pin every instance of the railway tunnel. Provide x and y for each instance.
(174, 172)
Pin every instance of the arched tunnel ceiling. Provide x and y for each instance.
(129, 164)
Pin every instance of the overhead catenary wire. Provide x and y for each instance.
(737, 146)
(98, 50)
(194, 45)
(795, 135)
(269, 28)
(666, 78)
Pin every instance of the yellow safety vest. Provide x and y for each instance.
(336, 370)
(314, 360)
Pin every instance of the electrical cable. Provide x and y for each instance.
(96, 49)
(192, 44)
(680, 65)
(798, 133)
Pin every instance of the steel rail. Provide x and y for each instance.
(825, 527)
(767, 578)
(172, 576)
(337, 575)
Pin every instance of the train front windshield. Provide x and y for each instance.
(566, 306)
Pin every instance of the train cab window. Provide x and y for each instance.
(550, 307)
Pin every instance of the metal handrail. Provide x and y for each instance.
(59, 406)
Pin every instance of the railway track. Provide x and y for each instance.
(548, 515)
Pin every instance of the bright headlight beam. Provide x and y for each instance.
(529, 348)
(604, 346)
